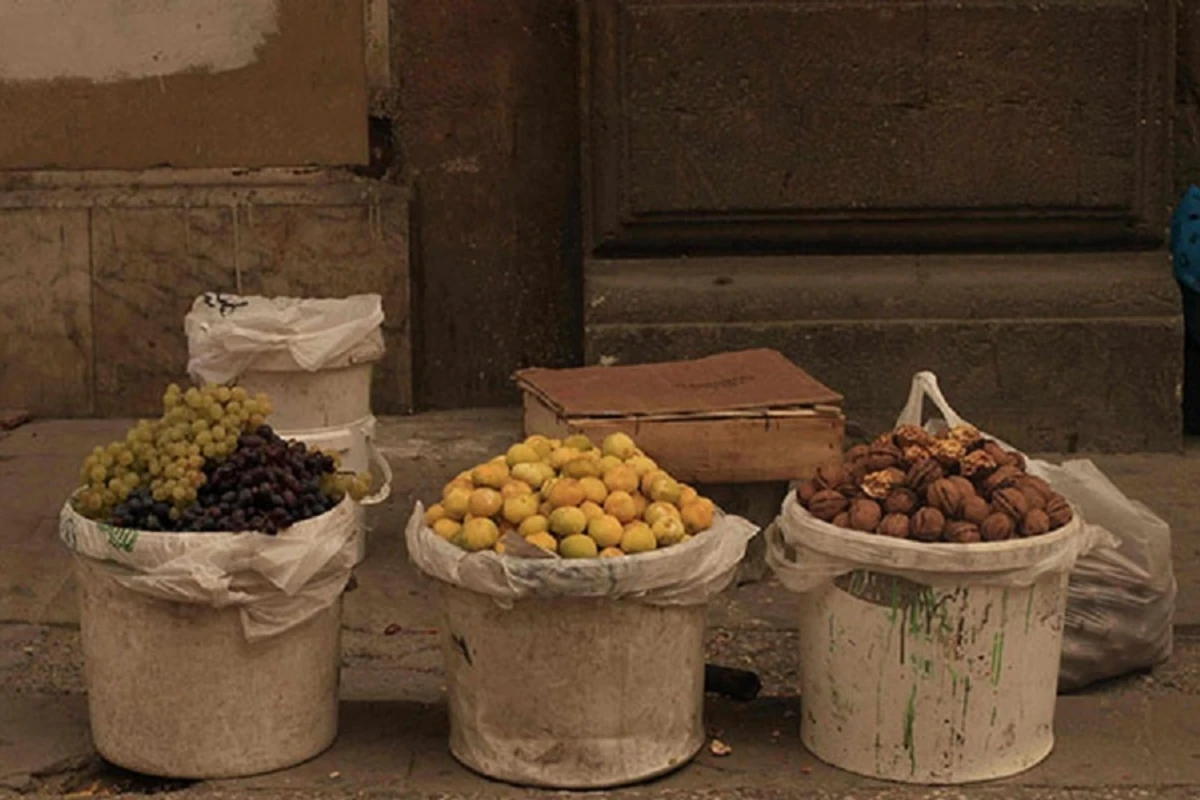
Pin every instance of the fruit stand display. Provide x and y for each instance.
(553, 558)
(212, 556)
(932, 570)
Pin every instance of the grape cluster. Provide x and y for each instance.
(264, 485)
(166, 457)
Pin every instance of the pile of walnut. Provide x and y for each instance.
(955, 487)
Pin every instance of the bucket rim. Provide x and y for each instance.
(873, 550)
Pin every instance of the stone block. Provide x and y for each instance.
(45, 311)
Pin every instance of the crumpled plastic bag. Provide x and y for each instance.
(228, 334)
(685, 574)
(276, 582)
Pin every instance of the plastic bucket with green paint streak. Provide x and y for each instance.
(926, 663)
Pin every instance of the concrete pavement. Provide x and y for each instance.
(1136, 737)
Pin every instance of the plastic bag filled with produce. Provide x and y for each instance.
(207, 505)
(570, 518)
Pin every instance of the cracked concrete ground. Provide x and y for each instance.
(1134, 737)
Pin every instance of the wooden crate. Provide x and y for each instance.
(745, 417)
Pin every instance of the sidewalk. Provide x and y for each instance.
(1129, 739)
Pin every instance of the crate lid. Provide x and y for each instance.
(744, 380)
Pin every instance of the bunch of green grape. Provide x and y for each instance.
(340, 484)
(168, 455)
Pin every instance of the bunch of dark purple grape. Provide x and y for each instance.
(265, 485)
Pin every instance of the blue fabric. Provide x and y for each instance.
(1185, 239)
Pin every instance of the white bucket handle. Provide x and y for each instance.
(378, 460)
(925, 384)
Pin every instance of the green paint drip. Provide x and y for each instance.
(997, 657)
(910, 718)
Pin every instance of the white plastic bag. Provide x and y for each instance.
(685, 574)
(229, 333)
(277, 582)
(1121, 597)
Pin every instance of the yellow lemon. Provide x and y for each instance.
(612, 552)
(566, 492)
(639, 503)
(499, 547)
(529, 474)
(540, 444)
(544, 541)
(638, 538)
(485, 503)
(609, 463)
(434, 513)
(619, 445)
(593, 489)
(665, 490)
(591, 510)
(649, 478)
(579, 442)
(621, 479)
(457, 483)
(519, 509)
(535, 524)
(642, 465)
(697, 516)
(548, 472)
(562, 456)
(447, 528)
(480, 533)
(457, 502)
(606, 530)
(686, 494)
(621, 505)
(515, 488)
(567, 521)
(521, 454)
(492, 474)
(668, 531)
(656, 511)
(577, 546)
(582, 467)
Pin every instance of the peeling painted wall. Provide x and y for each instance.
(111, 40)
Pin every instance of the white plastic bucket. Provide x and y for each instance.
(328, 398)
(926, 663)
(176, 690)
(355, 443)
(572, 693)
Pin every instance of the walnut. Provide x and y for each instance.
(1002, 478)
(943, 495)
(928, 524)
(884, 440)
(878, 484)
(1036, 483)
(996, 528)
(894, 525)
(965, 486)
(883, 456)
(856, 453)
(865, 515)
(966, 435)
(1017, 459)
(914, 453)
(977, 465)
(923, 473)
(1033, 496)
(805, 491)
(975, 509)
(1058, 510)
(842, 520)
(962, 532)
(948, 452)
(901, 501)
(896, 475)
(1011, 501)
(912, 435)
(827, 504)
(1035, 523)
(829, 476)
(998, 454)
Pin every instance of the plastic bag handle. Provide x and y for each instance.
(378, 460)
(925, 385)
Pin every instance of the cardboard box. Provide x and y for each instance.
(741, 417)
